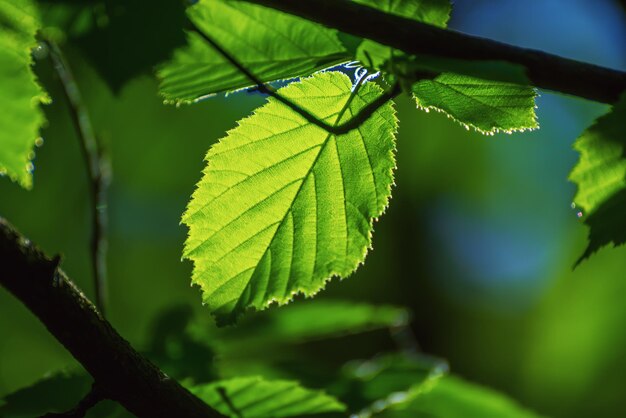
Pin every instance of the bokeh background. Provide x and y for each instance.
(479, 241)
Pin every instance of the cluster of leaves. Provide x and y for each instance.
(208, 361)
(285, 203)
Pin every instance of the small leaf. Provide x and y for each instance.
(270, 44)
(601, 179)
(124, 39)
(254, 397)
(371, 385)
(283, 206)
(487, 106)
(314, 320)
(20, 115)
(433, 12)
(55, 393)
(452, 397)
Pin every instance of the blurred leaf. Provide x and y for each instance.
(58, 393)
(433, 12)
(601, 178)
(254, 397)
(177, 352)
(314, 320)
(62, 19)
(452, 397)
(130, 37)
(270, 44)
(373, 384)
(20, 115)
(487, 106)
(276, 185)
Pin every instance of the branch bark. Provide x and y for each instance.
(121, 374)
(546, 71)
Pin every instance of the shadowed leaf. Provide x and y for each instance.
(270, 44)
(601, 178)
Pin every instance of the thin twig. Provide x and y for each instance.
(98, 170)
(340, 129)
(79, 411)
(546, 71)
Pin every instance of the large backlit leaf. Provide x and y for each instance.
(270, 44)
(283, 206)
(487, 106)
(601, 178)
(20, 116)
(254, 397)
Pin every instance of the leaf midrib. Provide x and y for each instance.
(304, 179)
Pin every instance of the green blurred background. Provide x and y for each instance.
(479, 241)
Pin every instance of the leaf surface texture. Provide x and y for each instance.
(487, 106)
(254, 397)
(20, 115)
(270, 44)
(283, 206)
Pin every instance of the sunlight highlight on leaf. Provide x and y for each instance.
(601, 178)
(254, 397)
(283, 206)
(487, 106)
(20, 115)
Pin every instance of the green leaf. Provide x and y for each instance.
(20, 115)
(254, 397)
(313, 320)
(124, 39)
(433, 12)
(270, 44)
(487, 106)
(371, 385)
(452, 397)
(283, 206)
(56, 393)
(601, 178)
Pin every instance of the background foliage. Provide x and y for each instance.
(479, 241)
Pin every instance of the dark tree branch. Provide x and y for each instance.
(546, 71)
(337, 129)
(98, 170)
(122, 374)
(79, 411)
